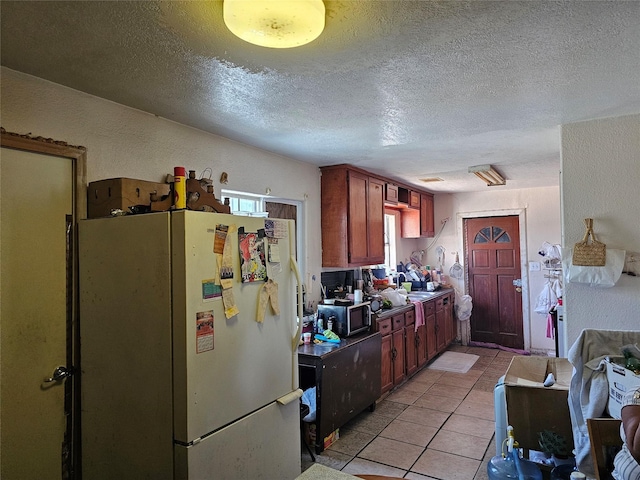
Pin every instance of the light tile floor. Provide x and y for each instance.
(437, 425)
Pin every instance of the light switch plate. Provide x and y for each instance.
(534, 266)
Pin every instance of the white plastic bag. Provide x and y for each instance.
(606, 276)
(396, 299)
(464, 304)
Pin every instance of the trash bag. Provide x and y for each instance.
(464, 305)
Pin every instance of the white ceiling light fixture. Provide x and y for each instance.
(275, 23)
(488, 175)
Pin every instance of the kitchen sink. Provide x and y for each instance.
(421, 295)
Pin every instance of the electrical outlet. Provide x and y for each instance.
(534, 266)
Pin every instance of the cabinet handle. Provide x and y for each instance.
(394, 353)
(437, 328)
(417, 341)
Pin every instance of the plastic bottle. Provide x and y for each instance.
(510, 465)
(180, 187)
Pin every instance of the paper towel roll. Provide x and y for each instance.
(357, 296)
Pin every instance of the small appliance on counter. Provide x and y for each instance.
(349, 320)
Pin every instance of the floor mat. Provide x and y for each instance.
(454, 362)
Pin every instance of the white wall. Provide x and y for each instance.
(601, 180)
(540, 208)
(123, 142)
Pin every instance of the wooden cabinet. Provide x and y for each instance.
(414, 199)
(421, 345)
(451, 328)
(410, 344)
(427, 228)
(346, 380)
(441, 325)
(391, 194)
(397, 348)
(430, 322)
(352, 218)
(392, 361)
(386, 362)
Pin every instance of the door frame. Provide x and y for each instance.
(465, 327)
(78, 156)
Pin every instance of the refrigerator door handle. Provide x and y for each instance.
(296, 338)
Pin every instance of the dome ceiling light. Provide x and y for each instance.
(275, 23)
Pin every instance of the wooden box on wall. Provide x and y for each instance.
(106, 195)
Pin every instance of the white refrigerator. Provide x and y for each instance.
(170, 387)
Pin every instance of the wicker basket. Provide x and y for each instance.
(587, 254)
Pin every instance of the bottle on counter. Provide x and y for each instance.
(320, 325)
(331, 322)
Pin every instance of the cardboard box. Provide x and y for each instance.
(621, 380)
(105, 195)
(533, 408)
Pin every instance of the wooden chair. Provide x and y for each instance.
(603, 434)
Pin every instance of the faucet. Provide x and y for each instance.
(398, 277)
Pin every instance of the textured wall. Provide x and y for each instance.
(124, 142)
(601, 180)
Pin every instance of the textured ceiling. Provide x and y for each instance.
(408, 89)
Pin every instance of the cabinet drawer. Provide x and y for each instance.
(409, 317)
(397, 322)
(429, 308)
(384, 326)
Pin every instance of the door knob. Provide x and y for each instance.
(60, 373)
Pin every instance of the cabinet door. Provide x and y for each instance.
(397, 350)
(427, 228)
(386, 369)
(391, 195)
(430, 322)
(414, 199)
(421, 345)
(411, 351)
(375, 221)
(441, 326)
(357, 218)
(450, 323)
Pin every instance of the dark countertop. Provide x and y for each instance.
(324, 348)
(395, 310)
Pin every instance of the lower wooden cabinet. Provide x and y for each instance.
(406, 349)
(410, 345)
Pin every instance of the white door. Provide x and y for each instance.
(36, 196)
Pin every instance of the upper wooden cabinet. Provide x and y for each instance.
(414, 199)
(352, 217)
(391, 193)
(427, 228)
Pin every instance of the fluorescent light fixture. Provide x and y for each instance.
(275, 23)
(488, 175)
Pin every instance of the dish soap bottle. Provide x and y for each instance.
(510, 465)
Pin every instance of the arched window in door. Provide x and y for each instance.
(492, 235)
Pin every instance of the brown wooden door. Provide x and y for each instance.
(492, 251)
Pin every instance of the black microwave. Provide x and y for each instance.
(348, 319)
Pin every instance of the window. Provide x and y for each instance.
(245, 204)
(252, 205)
(390, 240)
